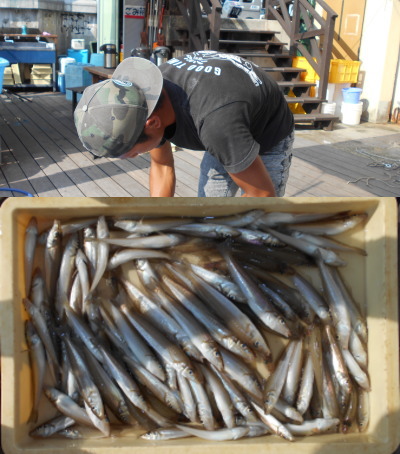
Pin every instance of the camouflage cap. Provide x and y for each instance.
(111, 115)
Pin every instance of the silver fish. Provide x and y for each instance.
(147, 226)
(276, 380)
(238, 399)
(110, 393)
(81, 265)
(127, 255)
(68, 264)
(165, 240)
(137, 346)
(52, 258)
(165, 434)
(337, 304)
(207, 230)
(67, 406)
(170, 352)
(242, 374)
(306, 385)
(313, 427)
(156, 386)
(102, 252)
(31, 237)
(88, 389)
(312, 297)
(124, 380)
(236, 220)
(203, 404)
(220, 282)
(51, 427)
(332, 227)
(273, 424)
(215, 327)
(216, 435)
(258, 303)
(189, 403)
(37, 357)
(328, 256)
(238, 322)
(280, 218)
(221, 396)
(292, 381)
(42, 331)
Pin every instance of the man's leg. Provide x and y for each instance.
(214, 179)
(277, 160)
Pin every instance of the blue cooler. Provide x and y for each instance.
(97, 59)
(76, 76)
(3, 64)
(81, 56)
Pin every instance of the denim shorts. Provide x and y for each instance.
(215, 181)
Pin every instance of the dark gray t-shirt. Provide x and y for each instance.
(225, 105)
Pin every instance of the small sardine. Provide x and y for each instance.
(37, 357)
(52, 258)
(165, 240)
(276, 381)
(258, 303)
(102, 252)
(170, 433)
(207, 230)
(236, 220)
(216, 435)
(313, 427)
(170, 351)
(52, 426)
(67, 406)
(127, 255)
(147, 226)
(31, 237)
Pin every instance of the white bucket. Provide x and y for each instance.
(351, 113)
(64, 62)
(328, 108)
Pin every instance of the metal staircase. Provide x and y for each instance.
(294, 16)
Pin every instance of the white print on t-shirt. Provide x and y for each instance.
(200, 59)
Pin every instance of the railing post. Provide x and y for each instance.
(215, 24)
(295, 27)
(326, 56)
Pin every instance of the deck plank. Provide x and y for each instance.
(46, 158)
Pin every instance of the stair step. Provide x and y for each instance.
(251, 43)
(242, 30)
(305, 100)
(326, 121)
(295, 83)
(263, 54)
(283, 69)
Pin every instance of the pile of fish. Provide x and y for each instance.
(204, 327)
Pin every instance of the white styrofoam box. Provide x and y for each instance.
(77, 43)
(244, 10)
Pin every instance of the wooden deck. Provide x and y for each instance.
(41, 154)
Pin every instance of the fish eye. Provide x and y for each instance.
(256, 344)
(217, 353)
(282, 321)
(190, 372)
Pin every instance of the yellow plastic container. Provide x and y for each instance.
(373, 281)
(310, 75)
(343, 71)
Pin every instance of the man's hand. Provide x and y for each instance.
(162, 171)
(255, 180)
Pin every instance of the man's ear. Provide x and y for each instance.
(153, 122)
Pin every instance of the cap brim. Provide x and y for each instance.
(145, 75)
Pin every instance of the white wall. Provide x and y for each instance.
(379, 56)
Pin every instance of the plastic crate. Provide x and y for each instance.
(344, 71)
(310, 75)
(373, 280)
(76, 76)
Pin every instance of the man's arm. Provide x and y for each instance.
(255, 180)
(162, 171)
